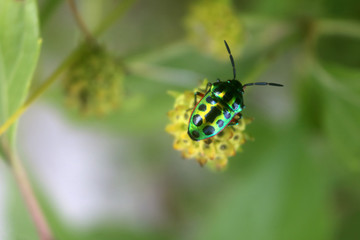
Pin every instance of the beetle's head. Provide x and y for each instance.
(236, 85)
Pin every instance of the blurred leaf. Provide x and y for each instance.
(47, 8)
(113, 232)
(285, 197)
(349, 210)
(342, 117)
(348, 77)
(339, 50)
(281, 8)
(19, 50)
(351, 227)
(311, 103)
(346, 10)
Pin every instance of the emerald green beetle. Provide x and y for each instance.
(219, 106)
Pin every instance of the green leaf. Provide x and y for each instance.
(328, 49)
(47, 8)
(285, 197)
(19, 50)
(342, 116)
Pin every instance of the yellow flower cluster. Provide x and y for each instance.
(94, 83)
(210, 22)
(214, 151)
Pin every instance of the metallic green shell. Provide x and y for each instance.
(215, 110)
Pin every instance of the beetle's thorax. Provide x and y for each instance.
(229, 93)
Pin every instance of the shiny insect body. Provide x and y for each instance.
(220, 105)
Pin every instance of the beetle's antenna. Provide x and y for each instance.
(231, 59)
(263, 84)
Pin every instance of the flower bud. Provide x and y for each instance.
(94, 82)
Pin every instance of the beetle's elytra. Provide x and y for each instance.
(220, 105)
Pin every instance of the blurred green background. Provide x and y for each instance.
(118, 177)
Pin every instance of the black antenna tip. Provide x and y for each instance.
(276, 84)
(227, 46)
(263, 84)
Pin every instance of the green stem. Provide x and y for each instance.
(81, 24)
(27, 193)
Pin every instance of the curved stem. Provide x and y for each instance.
(89, 37)
(23, 182)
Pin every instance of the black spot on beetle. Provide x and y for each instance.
(227, 114)
(228, 96)
(212, 114)
(197, 120)
(220, 123)
(209, 130)
(210, 100)
(195, 134)
(235, 106)
(202, 107)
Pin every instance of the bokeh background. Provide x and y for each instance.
(117, 176)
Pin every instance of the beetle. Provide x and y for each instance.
(220, 106)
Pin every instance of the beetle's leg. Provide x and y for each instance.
(208, 86)
(195, 101)
(235, 121)
(197, 94)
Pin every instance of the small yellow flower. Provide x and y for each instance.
(209, 23)
(94, 82)
(215, 151)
